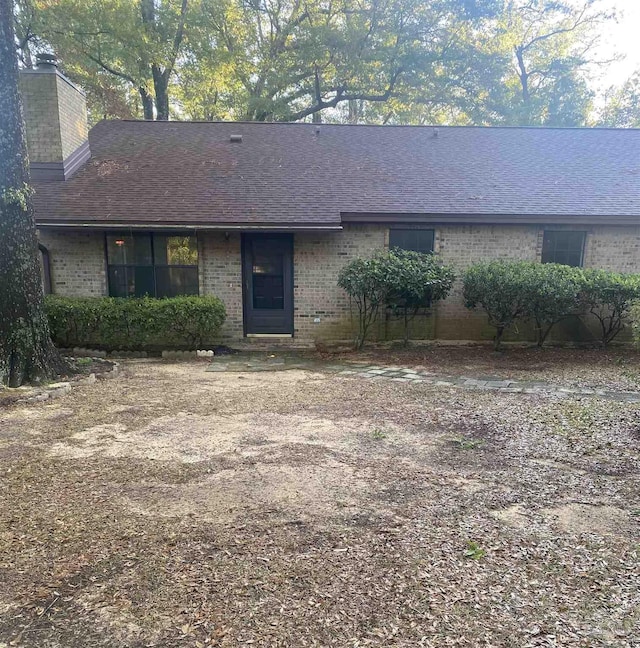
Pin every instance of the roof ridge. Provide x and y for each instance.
(386, 126)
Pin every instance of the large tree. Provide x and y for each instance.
(120, 44)
(529, 66)
(292, 60)
(26, 351)
(552, 45)
(485, 62)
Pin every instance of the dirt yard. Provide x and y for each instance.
(175, 507)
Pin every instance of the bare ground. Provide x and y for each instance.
(173, 507)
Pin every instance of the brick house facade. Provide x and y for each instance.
(78, 268)
(326, 193)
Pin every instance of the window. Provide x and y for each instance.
(268, 280)
(158, 265)
(416, 240)
(563, 247)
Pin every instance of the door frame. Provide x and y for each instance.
(247, 288)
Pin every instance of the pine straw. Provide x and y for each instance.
(304, 509)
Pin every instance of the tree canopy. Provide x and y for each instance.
(486, 62)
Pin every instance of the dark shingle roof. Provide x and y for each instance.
(192, 174)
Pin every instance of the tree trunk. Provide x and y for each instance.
(161, 90)
(147, 103)
(497, 342)
(26, 351)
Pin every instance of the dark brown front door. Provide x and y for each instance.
(267, 268)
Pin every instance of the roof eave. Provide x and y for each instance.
(490, 219)
(191, 227)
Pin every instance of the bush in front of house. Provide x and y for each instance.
(553, 294)
(142, 323)
(546, 293)
(501, 289)
(364, 280)
(610, 298)
(399, 279)
(514, 291)
(415, 281)
(634, 320)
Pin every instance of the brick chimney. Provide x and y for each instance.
(55, 115)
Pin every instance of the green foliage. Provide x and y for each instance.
(474, 551)
(609, 297)
(118, 323)
(415, 281)
(18, 197)
(399, 279)
(407, 61)
(622, 105)
(553, 294)
(501, 289)
(125, 51)
(365, 281)
(509, 291)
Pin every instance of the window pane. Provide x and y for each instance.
(121, 282)
(131, 281)
(144, 281)
(129, 249)
(563, 247)
(415, 240)
(175, 281)
(175, 250)
(267, 264)
(268, 291)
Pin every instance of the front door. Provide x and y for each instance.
(267, 268)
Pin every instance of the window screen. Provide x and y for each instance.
(416, 240)
(563, 247)
(157, 265)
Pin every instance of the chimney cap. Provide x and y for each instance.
(45, 59)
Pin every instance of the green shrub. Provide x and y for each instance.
(365, 281)
(402, 280)
(634, 319)
(553, 294)
(415, 281)
(546, 293)
(510, 291)
(609, 297)
(125, 323)
(501, 289)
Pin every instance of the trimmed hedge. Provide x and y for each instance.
(126, 323)
(519, 291)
